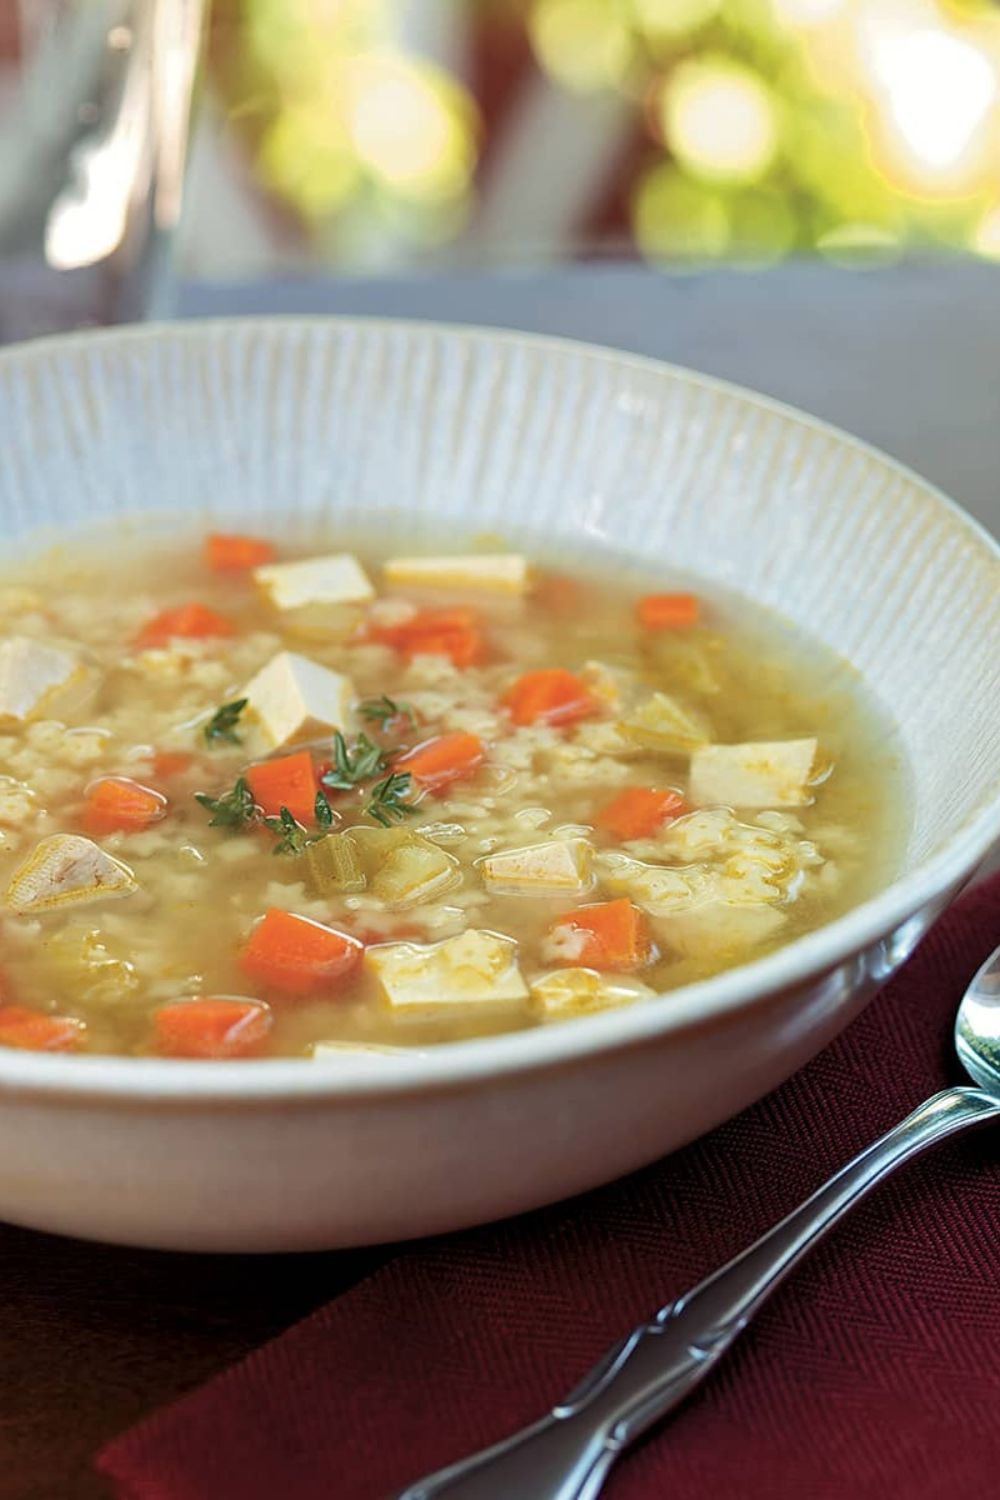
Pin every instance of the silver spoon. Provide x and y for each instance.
(568, 1453)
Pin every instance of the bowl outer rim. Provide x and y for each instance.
(458, 1065)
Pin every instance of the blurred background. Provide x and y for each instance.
(386, 135)
(368, 135)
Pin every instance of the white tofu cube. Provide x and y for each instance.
(559, 867)
(576, 992)
(757, 774)
(658, 889)
(339, 579)
(720, 929)
(505, 572)
(32, 675)
(475, 970)
(66, 870)
(294, 700)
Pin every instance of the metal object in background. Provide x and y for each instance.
(94, 116)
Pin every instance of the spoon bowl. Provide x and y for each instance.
(977, 1026)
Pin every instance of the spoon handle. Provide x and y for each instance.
(567, 1454)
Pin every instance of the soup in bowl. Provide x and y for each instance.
(272, 801)
(442, 771)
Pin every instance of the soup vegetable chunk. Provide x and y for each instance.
(256, 801)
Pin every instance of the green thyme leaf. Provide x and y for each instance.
(388, 799)
(234, 809)
(383, 710)
(292, 837)
(353, 763)
(323, 811)
(222, 724)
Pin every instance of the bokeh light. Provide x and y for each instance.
(719, 120)
(679, 220)
(734, 130)
(939, 89)
(585, 44)
(986, 240)
(670, 19)
(806, 12)
(763, 226)
(859, 244)
(307, 156)
(409, 124)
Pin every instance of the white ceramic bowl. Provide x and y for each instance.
(588, 446)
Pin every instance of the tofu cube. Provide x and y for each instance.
(720, 929)
(577, 992)
(757, 774)
(504, 572)
(294, 700)
(476, 971)
(66, 870)
(33, 675)
(658, 889)
(339, 579)
(558, 867)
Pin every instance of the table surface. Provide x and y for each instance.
(93, 1337)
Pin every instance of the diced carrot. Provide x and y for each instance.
(35, 1031)
(558, 593)
(288, 782)
(217, 1026)
(454, 633)
(549, 696)
(297, 956)
(167, 763)
(116, 804)
(639, 811)
(668, 611)
(444, 758)
(229, 552)
(188, 621)
(610, 935)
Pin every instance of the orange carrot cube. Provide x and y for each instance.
(287, 782)
(296, 956)
(212, 1027)
(639, 811)
(668, 611)
(228, 552)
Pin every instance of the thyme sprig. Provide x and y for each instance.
(222, 724)
(234, 809)
(388, 802)
(353, 763)
(383, 710)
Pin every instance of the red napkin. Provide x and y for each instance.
(874, 1373)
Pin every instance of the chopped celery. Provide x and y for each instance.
(414, 870)
(661, 723)
(374, 845)
(333, 865)
(687, 660)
